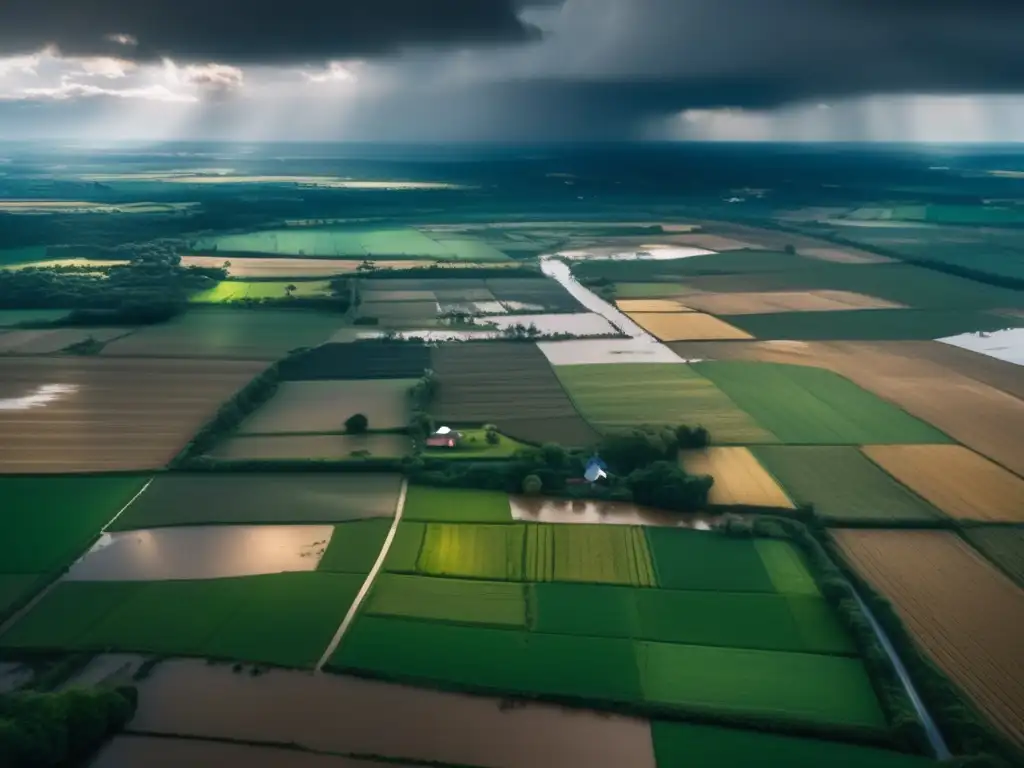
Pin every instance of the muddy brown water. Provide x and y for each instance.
(329, 713)
(202, 552)
(539, 510)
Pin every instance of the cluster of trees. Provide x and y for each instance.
(642, 462)
(232, 413)
(423, 392)
(357, 424)
(48, 729)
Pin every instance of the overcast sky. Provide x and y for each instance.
(434, 70)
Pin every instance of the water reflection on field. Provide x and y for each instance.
(1005, 345)
(539, 510)
(346, 715)
(202, 552)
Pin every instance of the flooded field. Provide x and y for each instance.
(346, 715)
(1005, 345)
(534, 510)
(634, 350)
(49, 340)
(655, 252)
(13, 675)
(576, 324)
(157, 752)
(202, 552)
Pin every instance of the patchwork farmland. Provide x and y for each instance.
(490, 606)
(965, 613)
(508, 384)
(88, 414)
(810, 406)
(843, 484)
(958, 481)
(614, 396)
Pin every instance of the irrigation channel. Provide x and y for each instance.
(560, 271)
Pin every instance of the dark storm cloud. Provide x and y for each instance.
(254, 31)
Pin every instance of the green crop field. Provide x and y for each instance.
(804, 405)
(46, 522)
(1003, 545)
(612, 396)
(868, 324)
(265, 497)
(355, 546)
(610, 554)
(842, 484)
(490, 660)
(405, 547)
(473, 551)
(460, 601)
(690, 559)
(13, 257)
(16, 588)
(227, 291)
(649, 290)
(706, 746)
(10, 317)
(286, 619)
(725, 263)
(444, 505)
(731, 619)
(229, 333)
(786, 568)
(352, 243)
(793, 686)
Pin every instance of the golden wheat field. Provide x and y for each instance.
(955, 479)
(651, 305)
(739, 477)
(283, 267)
(686, 326)
(762, 302)
(966, 615)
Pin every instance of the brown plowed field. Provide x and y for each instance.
(955, 479)
(510, 384)
(739, 477)
(967, 615)
(88, 414)
(754, 303)
(982, 417)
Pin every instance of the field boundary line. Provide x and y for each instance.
(38, 597)
(125, 507)
(370, 577)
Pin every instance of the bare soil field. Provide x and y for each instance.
(976, 414)
(754, 303)
(955, 479)
(776, 240)
(1000, 374)
(651, 305)
(245, 447)
(192, 698)
(364, 360)
(739, 477)
(158, 752)
(87, 414)
(713, 242)
(508, 384)
(966, 614)
(680, 326)
(283, 267)
(202, 552)
(49, 340)
(323, 406)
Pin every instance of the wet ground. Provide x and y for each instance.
(1007, 345)
(202, 552)
(535, 510)
(345, 715)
